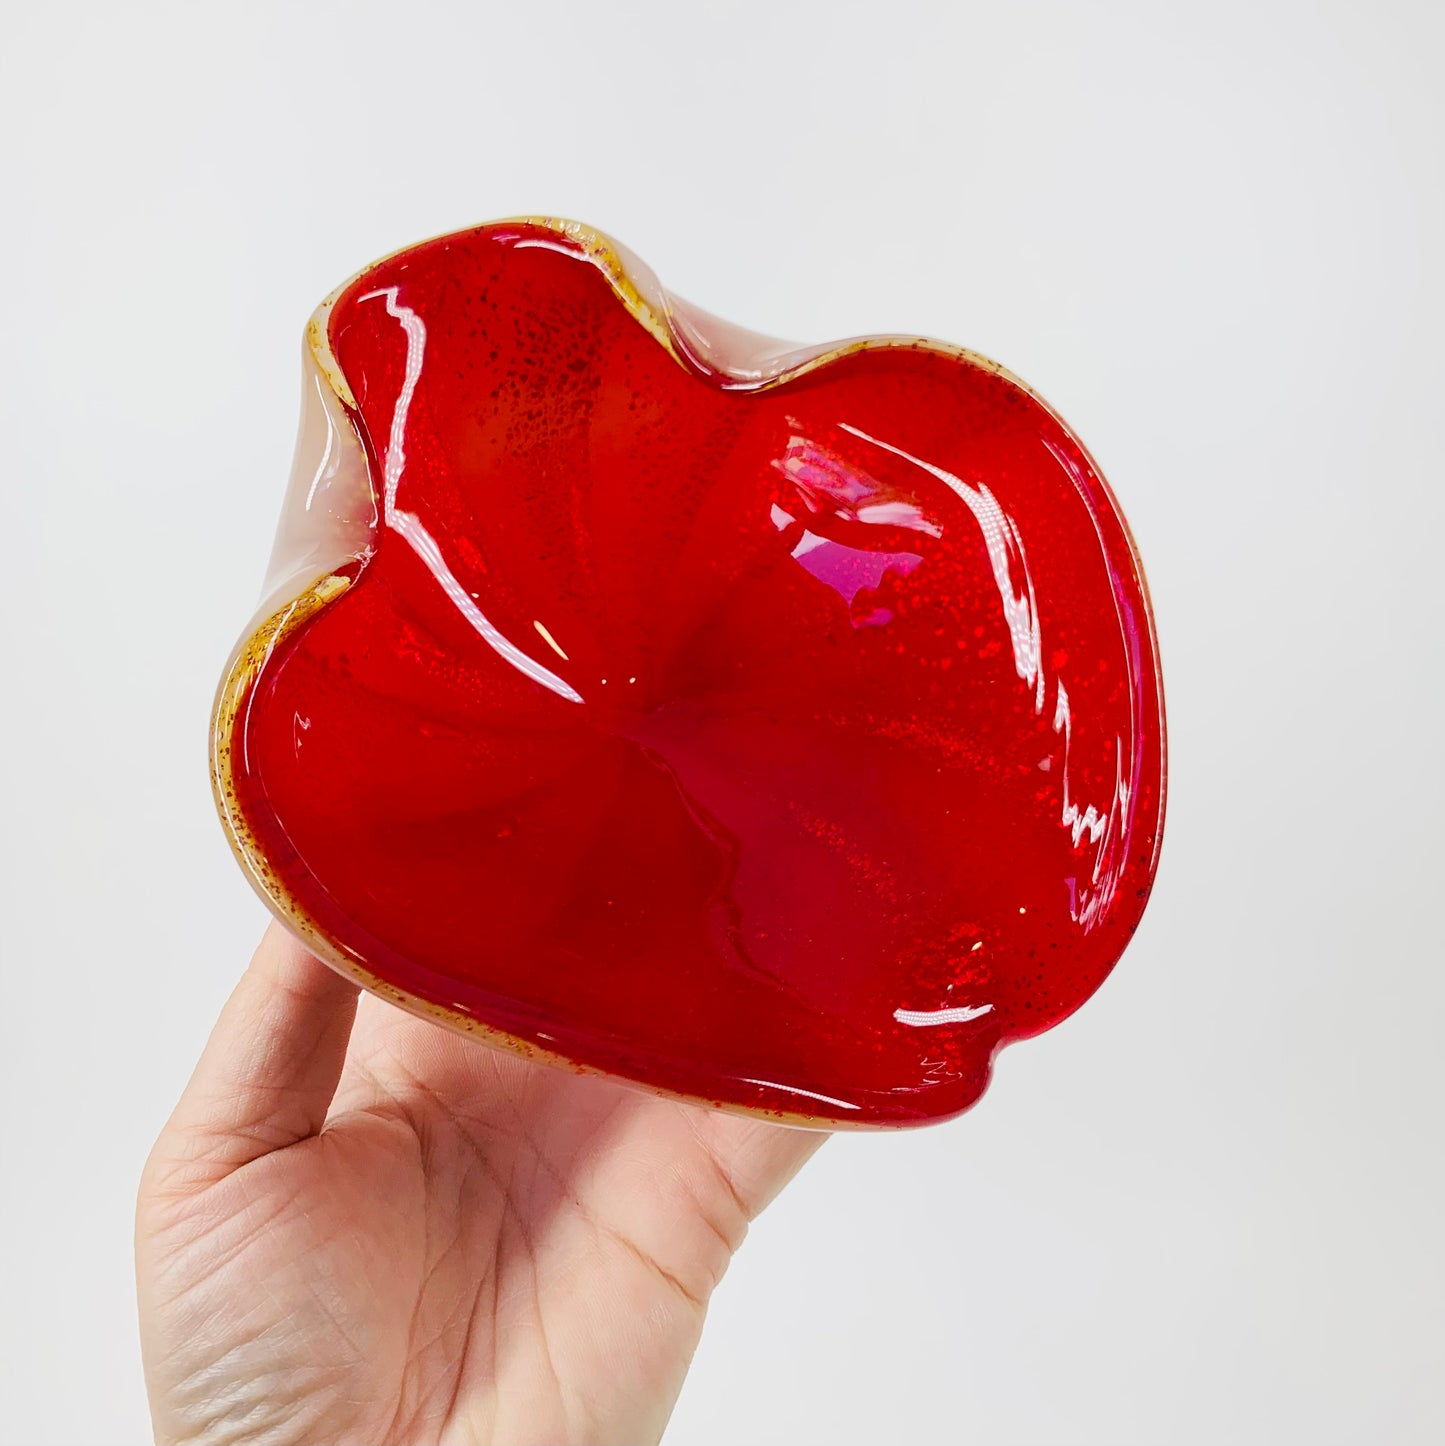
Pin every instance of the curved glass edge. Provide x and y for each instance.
(330, 515)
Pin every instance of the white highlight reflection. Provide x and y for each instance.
(323, 467)
(926, 1018)
(1005, 547)
(1090, 821)
(1107, 830)
(1089, 905)
(549, 640)
(411, 527)
(768, 1084)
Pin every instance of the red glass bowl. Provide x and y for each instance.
(779, 728)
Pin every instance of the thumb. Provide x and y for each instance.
(268, 1072)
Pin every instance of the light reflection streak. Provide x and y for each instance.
(768, 1084)
(898, 514)
(323, 466)
(411, 527)
(926, 1018)
(549, 640)
(526, 243)
(1005, 548)
(1089, 821)
(1107, 830)
(1091, 905)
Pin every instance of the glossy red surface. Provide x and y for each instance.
(790, 748)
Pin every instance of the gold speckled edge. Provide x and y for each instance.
(649, 306)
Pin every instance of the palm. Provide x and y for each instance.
(473, 1248)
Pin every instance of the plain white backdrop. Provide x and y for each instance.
(1208, 1208)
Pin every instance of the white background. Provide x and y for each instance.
(1208, 1208)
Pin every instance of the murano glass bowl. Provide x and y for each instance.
(776, 727)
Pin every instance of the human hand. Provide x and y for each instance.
(360, 1227)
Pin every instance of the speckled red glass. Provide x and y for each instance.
(787, 743)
